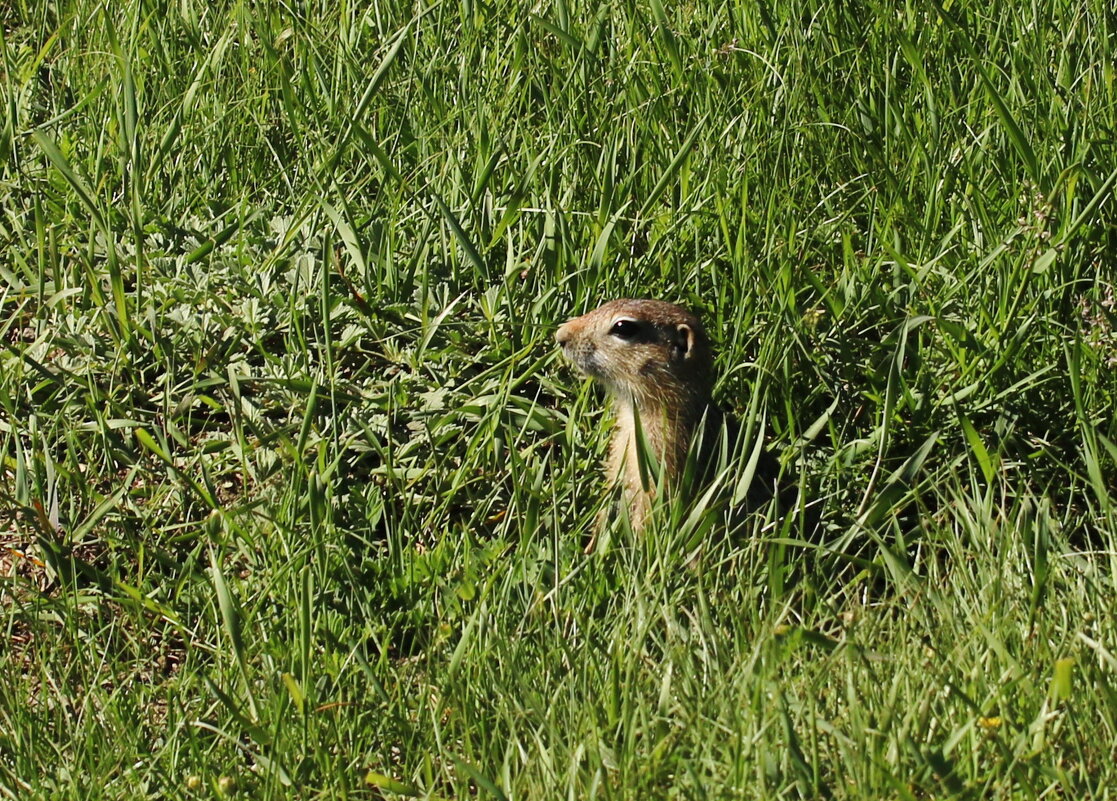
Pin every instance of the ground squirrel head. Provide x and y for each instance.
(648, 353)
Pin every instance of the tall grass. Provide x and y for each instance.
(296, 491)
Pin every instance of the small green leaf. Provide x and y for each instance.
(382, 782)
(1061, 679)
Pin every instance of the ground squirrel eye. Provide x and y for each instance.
(625, 329)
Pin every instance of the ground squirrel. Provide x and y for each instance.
(656, 361)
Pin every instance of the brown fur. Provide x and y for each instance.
(659, 365)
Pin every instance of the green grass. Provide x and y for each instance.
(295, 488)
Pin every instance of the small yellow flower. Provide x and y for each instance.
(227, 785)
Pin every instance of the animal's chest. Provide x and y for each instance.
(633, 462)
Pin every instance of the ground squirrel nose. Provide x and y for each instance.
(563, 334)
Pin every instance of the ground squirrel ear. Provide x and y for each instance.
(684, 340)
